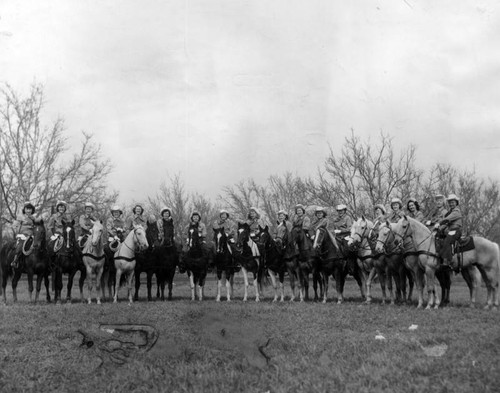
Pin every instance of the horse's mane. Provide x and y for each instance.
(418, 224)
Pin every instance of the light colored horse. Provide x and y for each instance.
(93, 258)
(485, 256)
(369, 261)
(125, 258)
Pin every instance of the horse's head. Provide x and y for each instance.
(193, 236)
(264, 237)
(402, 230)
(299, 237)
(385, 235)
(360, 229)
(140, 239)
(39, 235)
(220, 240)
(69, 235)
(319, 238)
(152, 233)
(243, 235)
(96, 232)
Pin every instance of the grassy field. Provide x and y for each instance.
(214, 347)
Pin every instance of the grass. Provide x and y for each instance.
(213, 347)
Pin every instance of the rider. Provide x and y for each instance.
(438, 213)
(396, 206)
(136, 219)
(56, 225)
(86, 223)
(202, 232)
(413, 208)
(283, 223)
(115, 226)
(378, 220)
(321, 221)
(301, 220)
(451, 227)
(343, 222)
(225, 222)
(164, 223)
(24, 228)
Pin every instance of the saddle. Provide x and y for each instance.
(465, 243)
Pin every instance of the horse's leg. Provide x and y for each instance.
(30, 282)
(411, 283)
(358, 276)
(81, 281)
(130, 277)
(71, 276)
(369, 280)
(291, 275)
(90, 282)
(116, 285)
(4, 283)
(39, 278)
(245, 280)
(137, 274)
(229, 284)
(325, 286)
(100, 271)
(47, 285)
(219, 283)
(274, 284)
(339, 284)
(256, 285)
(191, 283)
(170, 278)
(15, 280)
(149, 276)
(433, 298)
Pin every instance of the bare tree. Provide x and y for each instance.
(33, 166)
(366, 174)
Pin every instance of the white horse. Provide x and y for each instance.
(125, 258)
(93, 259)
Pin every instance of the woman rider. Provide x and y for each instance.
(396, 214)
(24, 228)
(165, 223)
(413, 208)
(451, 227)
(86, 223)
(115, 226)
(56, 225)
(136, 219)
(320, 221)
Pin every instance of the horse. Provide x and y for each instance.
(93, 258)
(147, 261)
(125, 260)
(306, 259)
(333, 261)
(168, 259)
(195, 262)
(369, 261)
(286, 238)
(249, 263)
(34, 261)
(224, 263)
(390, 265)
(273, 261)
(66, 260)
(415, 237)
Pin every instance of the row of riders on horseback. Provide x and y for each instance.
(300, 247)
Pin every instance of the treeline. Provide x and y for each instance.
(34, 166)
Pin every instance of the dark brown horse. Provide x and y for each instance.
(306, 259)
(33, 261)
(67, 260)
(167, 258)
(195, 262)
(273, 261)
(244, 255)
(224, 263)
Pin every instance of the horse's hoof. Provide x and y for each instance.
(89, 301)
(428, 307)
(98, 301)
(487, 307)
(339, 301)
(368, 301)
(244, 299)
(218, 299)
(257, 300)
(275, 300)
(115, 301)
(324, 301)
(436, 306)
(228, 300)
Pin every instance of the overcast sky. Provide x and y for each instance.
(224, 90)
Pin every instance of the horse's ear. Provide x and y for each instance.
(215, 230)
(101, 221)
(266, 228)
(363, 217)
(387, 223)
(63, 222)
(239, 225)
(72, 222)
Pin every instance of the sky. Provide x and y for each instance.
(223, 90)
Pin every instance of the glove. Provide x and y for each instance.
(313, 237)
(436, 226)
(337, 231)
(231, 241)
(429, 222)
